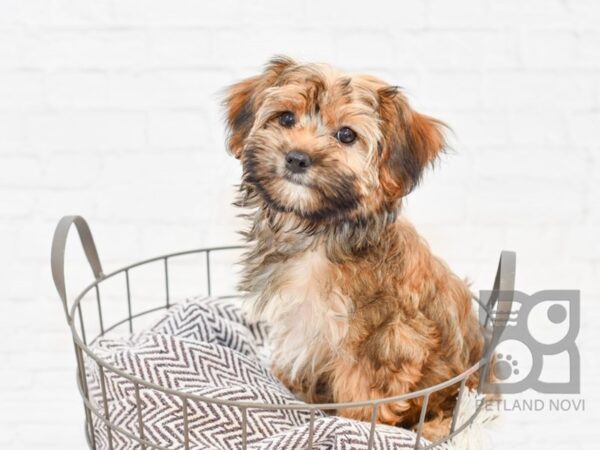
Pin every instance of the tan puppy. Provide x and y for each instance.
(358, 306)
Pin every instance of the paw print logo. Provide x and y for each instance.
(546, 324)
(505, 367)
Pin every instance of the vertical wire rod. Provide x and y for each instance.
(100, 317)
(81, 325)
(85, 392)
(105, 402)
(186, 425)
(138, 407)
(373, 424)
(127, 285)
(168, 297)
(421, 421)
(311, 430)
(457, 406)
(208, 284)
(244, 428)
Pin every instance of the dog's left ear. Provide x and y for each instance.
(410, 142)
(241, 102)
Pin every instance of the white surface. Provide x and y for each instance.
(110, 109)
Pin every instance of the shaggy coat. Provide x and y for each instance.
(358, 306)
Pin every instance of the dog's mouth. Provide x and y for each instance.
(314, 197)
(294, 178)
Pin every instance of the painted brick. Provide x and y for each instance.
(111, 109)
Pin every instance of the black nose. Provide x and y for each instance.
(297, 161)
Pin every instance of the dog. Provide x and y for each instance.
(358, 306)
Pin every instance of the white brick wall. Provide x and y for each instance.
(110, 109)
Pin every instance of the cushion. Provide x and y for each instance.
(204, 347)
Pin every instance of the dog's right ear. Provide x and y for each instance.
(241, 102)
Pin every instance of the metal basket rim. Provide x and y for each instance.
(304, 406)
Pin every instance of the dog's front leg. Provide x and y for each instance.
(387, 363)
(359, 381)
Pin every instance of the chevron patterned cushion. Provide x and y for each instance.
(203, 347)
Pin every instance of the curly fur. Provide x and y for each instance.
(359, 308)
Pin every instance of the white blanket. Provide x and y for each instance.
(203, 347)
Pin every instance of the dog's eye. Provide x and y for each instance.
(287, 119)
(346, 135)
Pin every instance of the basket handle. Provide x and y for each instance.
(57, 257)
(503, 291)
(505, 277)
(503, 295)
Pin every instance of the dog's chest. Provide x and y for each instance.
(307, 312)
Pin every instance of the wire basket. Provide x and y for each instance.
(133, 314)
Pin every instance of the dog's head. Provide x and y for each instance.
(327, 146)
